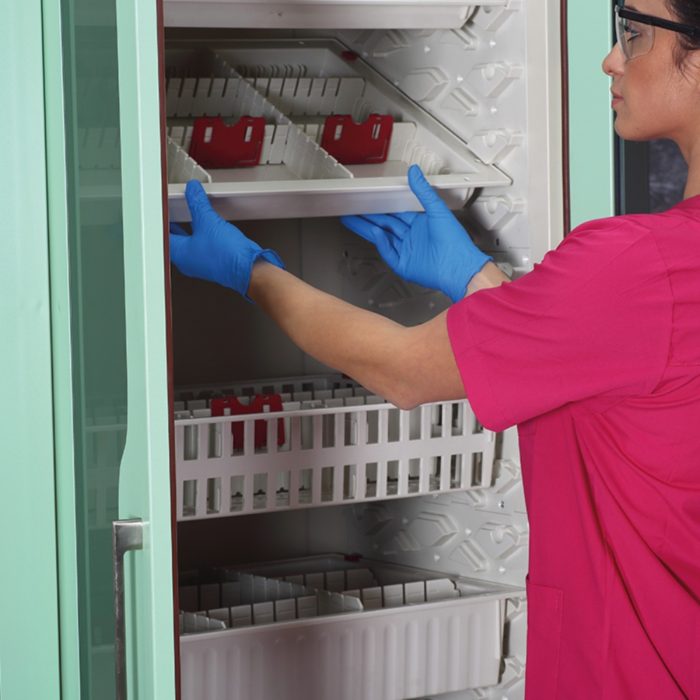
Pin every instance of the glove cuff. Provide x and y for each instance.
(268, 255)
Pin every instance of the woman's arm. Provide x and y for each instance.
(406, 365)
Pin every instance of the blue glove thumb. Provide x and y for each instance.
(426, 195)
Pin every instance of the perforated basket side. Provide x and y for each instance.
(326, 452)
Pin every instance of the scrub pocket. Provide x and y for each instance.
(544, 619)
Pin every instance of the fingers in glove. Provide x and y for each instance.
(385, 242)
(178, 246)
(361, 226)
(177, 230)
(408, 217)
(389, 223)
(426, 195)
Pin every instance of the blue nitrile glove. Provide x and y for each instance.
(431, 248)
(216, 251)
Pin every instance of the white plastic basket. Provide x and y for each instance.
(327, 446)
(416, 633)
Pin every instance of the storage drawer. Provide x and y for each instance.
(417, 633)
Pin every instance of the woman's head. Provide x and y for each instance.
(656, 80)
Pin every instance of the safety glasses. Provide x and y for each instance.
(635, 30)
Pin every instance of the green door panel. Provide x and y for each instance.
(110, 368)
(29, 643)
(144, 486)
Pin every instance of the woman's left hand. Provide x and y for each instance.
(430, 248)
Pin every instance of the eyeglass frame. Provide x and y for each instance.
(624, 13)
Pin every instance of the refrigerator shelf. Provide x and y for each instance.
(412, 633)
(329, 445)
(295, 85)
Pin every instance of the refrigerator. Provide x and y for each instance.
(197, 509)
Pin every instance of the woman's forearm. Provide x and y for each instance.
(405, 365)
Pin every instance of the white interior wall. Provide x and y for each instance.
(488, 82)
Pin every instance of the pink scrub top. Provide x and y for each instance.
(595, 355)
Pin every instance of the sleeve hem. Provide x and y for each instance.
(477, 387)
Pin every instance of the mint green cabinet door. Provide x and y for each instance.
(29, 642)
(109, 344)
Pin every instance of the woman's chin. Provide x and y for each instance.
(627, 132)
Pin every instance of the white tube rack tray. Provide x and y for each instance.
(294, 85)
(387, 632)
(332, 443)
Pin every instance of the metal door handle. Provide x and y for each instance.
(127, 535)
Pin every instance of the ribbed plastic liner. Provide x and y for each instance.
(332, 443)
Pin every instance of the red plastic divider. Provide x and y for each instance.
(216, 144)
(352, 144)
(257, 405)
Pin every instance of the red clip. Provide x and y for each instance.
(351, 143)
(257, 405)
(215, 144)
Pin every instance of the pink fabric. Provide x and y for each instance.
(596, 356)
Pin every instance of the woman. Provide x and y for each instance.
(595, 355)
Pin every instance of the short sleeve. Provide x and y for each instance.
(594, 318)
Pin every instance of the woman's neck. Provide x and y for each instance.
(692, 158)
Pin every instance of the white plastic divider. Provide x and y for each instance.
(285, 144)
(194, 623)
(244, 600)
(417, 633)
(181, 167)
(333, 446)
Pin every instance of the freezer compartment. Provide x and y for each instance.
(320, 14)
(317, 441)
(313, 96)
(417, 633)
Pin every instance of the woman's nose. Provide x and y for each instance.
(614, 63)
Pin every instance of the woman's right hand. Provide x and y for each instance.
(429, 248)
(216, 251)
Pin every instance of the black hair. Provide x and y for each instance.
(687, 12)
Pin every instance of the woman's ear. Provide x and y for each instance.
(690, 67)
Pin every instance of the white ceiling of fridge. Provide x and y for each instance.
(321, 14)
